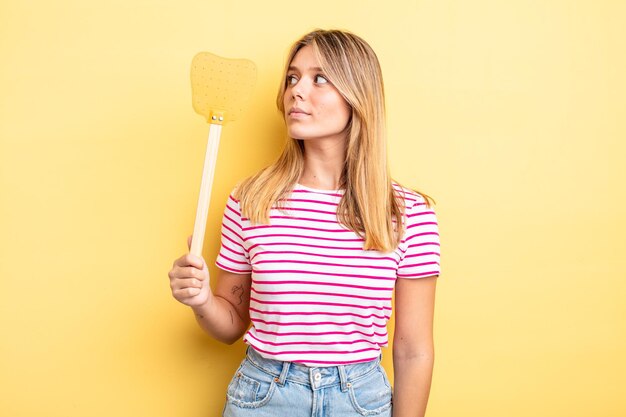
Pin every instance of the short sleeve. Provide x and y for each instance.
(233, 255)
(420, 242)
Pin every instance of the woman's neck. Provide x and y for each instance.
(323, 165)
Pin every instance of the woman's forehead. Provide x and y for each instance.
(305, 59)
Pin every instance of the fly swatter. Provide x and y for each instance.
(219, 88)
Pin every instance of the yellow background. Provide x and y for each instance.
(511, 114)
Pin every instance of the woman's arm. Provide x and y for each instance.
(225, 316)
(224, 313)
(413, 351)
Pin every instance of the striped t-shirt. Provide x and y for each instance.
(317, 298)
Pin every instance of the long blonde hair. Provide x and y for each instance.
(370, 207)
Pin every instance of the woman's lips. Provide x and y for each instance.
(297, 113)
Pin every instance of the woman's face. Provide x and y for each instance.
(314, 109)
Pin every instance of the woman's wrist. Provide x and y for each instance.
(203, 310)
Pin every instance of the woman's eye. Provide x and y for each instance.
(320, 79)
(291, 80)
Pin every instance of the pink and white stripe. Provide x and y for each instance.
(317, 297)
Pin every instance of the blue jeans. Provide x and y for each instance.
(270, 388)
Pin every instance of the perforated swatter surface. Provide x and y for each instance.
(221, 85)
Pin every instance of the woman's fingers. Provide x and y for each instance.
(183, 293)
(189, 279)
(186, 277)
(186, 272)
(189, 260)
(184, 289)
(182, 283)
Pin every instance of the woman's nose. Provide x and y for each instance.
(299, 90)
(296, 93)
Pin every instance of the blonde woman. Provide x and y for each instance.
(313, 247)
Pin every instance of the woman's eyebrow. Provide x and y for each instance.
(292, 68)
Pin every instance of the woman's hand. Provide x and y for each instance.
(189, 280)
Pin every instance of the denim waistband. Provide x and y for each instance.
(315, 377)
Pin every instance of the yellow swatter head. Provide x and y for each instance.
(221, 86)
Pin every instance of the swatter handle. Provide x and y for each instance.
(208, 172)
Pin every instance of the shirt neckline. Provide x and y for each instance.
(317, 190)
